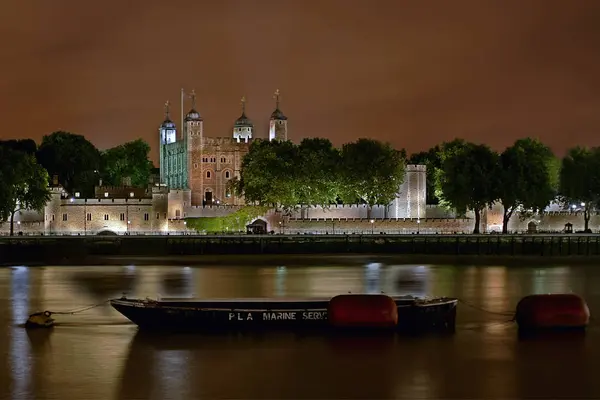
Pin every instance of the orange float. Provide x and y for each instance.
(552, 311)
(363, 311)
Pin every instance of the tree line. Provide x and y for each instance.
(314, 173)
(525, 177)
(463, 176)
(26, 169)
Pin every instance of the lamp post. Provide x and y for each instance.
(84, 217)
(372, 226)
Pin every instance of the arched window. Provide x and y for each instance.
(208, 174)
(227, 174)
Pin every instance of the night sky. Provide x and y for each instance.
(413, 73)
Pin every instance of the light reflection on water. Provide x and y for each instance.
(97, 355)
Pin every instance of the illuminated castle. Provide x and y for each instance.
(204, 165)
(195, 172)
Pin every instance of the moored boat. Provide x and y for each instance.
(405, 313)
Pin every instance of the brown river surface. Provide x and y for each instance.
(99, 355)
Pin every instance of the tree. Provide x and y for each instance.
(269, 174)
(129, 160)
(432, 159)
(371, 172)
(27, 146)
(318, 166)
(73, 159)
(468, 179)
(528, 178)
(23, 184)
(580, 180)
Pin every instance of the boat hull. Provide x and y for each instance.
(250, 315)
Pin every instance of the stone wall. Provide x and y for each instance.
(210, 211)
(92, 216)
(365, 226)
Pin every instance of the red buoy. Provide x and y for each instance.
(363, 311)
(552, 311)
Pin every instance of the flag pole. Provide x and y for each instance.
(181, 126)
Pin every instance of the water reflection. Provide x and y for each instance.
(20, 351)
(177, 282)
(373, 278)
(551, 280)
(93, 356)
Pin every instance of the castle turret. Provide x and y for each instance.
(243, 127)
(278, 122)
(167, 133)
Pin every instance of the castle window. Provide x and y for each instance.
(146, 217)
(165, 216)
(208, 174)
(88, 216)
(223, 159)
(64, 217)
(77, 194)
(157, 215)
(196, 165)
(105, 194)
(52, 217)
(122, 216)
(177, 213)
(227, 174)
(106, 217)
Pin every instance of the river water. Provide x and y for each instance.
(99, 355)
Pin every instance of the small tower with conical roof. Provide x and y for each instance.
(278, 122)
(243, 127)
(167, 130)
(193, 124)
(167, 134)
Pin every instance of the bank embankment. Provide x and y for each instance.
(300, 249)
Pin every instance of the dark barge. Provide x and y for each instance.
(401, 313)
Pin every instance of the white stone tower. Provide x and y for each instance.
(243, 127)
(278, 122)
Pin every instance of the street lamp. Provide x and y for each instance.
(128, 223)
(372, 225)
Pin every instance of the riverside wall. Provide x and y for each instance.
(146, 217)
(188, 249)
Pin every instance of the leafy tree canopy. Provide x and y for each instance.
(468, 178)
(580, 179)
(73, 159)
(371, 172)
(23, 184)
(129, 160)
(269, 174)
(529, 177)
(27, 146)
(318, 177)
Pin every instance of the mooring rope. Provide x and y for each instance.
(504, 314)
(77, 310)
